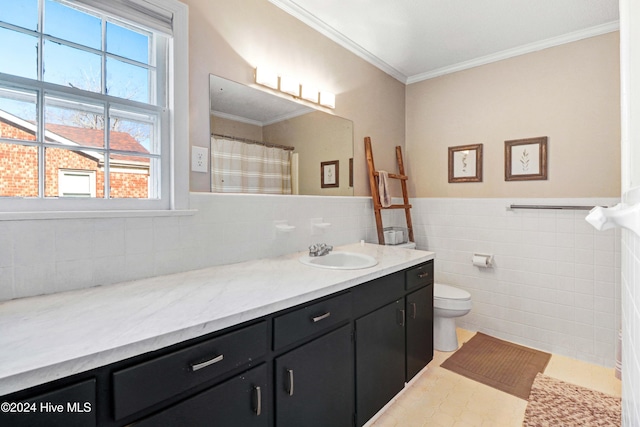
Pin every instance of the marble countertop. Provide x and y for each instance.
(53, 336)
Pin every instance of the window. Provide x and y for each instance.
(85, 108)
(76, 183)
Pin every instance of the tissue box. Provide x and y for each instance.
(395, 235)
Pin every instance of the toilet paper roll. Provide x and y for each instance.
(390, 237)
(482, 261)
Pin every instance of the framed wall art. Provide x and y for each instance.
(329, 174)
(465, 163)
(525, 159)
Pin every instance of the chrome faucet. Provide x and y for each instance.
(319, 249)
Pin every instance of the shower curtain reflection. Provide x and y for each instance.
(241, 167)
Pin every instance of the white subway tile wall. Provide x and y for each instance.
(555, 283)
(631, 321)
(46, 256)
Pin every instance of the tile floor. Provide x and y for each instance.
(441, 398)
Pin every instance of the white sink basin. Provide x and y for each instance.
(340, 261)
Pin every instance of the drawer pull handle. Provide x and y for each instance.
(414, 310)
(198, 366)
(423, 275)
(322, 317)
(258, 392)
(402, 317)
(290, 388)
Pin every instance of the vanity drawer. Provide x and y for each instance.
(419, 276)
(309, 320)
(377, 293)
(148, 383)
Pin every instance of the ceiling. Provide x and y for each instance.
(414, 40)
(245, 104)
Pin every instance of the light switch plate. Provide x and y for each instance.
(199, 156)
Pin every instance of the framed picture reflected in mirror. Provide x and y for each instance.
(329, 174)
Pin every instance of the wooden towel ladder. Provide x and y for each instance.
(375, 192)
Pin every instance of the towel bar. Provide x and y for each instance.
(556, 207)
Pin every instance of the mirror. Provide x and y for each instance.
(322, 154)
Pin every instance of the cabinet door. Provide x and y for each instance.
(314, 383)
(380, 359)
(240, 401)
(419, 330)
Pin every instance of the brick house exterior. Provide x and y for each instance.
(129, 175)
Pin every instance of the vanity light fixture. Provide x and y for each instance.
(289, 85)
(285, 84)
(310, 93)
(267, 78)
(328, 99)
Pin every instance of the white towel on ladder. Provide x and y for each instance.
(383, 189)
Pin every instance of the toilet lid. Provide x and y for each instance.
(441, 291)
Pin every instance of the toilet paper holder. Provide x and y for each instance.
(482, 260)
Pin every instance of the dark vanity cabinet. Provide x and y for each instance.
(314, 383)
(313, 365)
(380, 364)
(158, 379)
(72, 405)
(335, 361)
(393, 335)
(419, 318)
(419, 330)
(243, 398)
(240, 401)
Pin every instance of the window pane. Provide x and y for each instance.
(72, 67)
(23, 13)
(18, 170)
(60, 162)
(127, 81)
(72, 123)
(18, 114)
(86, 50)
(129, 177)
(24, 53)
(73, 25)
(132, 135)
(127, 43)
(72, 183)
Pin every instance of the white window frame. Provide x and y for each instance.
(175, 140)
(66, 175)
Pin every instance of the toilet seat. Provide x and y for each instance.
(450, 298)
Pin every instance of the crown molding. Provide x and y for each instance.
(520, 50)
(277, 119)
(314, 22)
(235, 118)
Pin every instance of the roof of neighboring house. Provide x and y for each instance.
(95, 138)
(73, 135)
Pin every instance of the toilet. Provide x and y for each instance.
(448, 303)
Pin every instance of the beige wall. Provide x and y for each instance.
(317, 137)
(569, 93)
(230, 38)
(224, 126)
